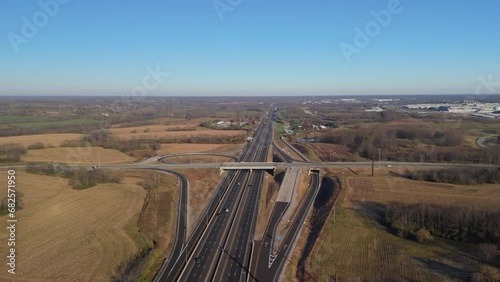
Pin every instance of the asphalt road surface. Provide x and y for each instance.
(269, 261)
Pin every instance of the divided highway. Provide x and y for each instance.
(228, 218)
(222, 253)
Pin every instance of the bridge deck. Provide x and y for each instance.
(288, 185)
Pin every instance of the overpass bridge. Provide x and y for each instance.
(269, 167)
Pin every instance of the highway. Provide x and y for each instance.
(299, 154)
(223, 250)
(284, 156)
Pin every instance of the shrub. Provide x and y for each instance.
(36, 146)
(450, 222)
(464, 176)
(486, 273)
(424, 236)
(61, 170)
(83, 179)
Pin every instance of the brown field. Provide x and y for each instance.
(230, 149)
(77, 155)
(54, 139)
(382, 190)
(69, 235)
(355, 246)
(173, 148)
(198, 159)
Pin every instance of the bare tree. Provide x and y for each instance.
(489, 250)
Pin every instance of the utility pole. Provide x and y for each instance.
(379, 158)
(373, 163)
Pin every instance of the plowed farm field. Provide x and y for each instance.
(46, 139)
(77, 155)
(69, 235)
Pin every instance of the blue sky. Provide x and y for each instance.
(281, 47)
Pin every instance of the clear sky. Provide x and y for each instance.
(247, 47)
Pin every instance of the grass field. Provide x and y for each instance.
(58, 123)
(17, 119)
(54, 139)
(355, 246)
(279, 129)
(77, 155)
(308, 153)
(69, 235)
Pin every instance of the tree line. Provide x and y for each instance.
(78, 179)
(104, 139)
(462, 176)
(11, 153)
(463, 224)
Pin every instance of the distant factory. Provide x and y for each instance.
(485, 110)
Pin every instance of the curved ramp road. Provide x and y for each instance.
(181, 226)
